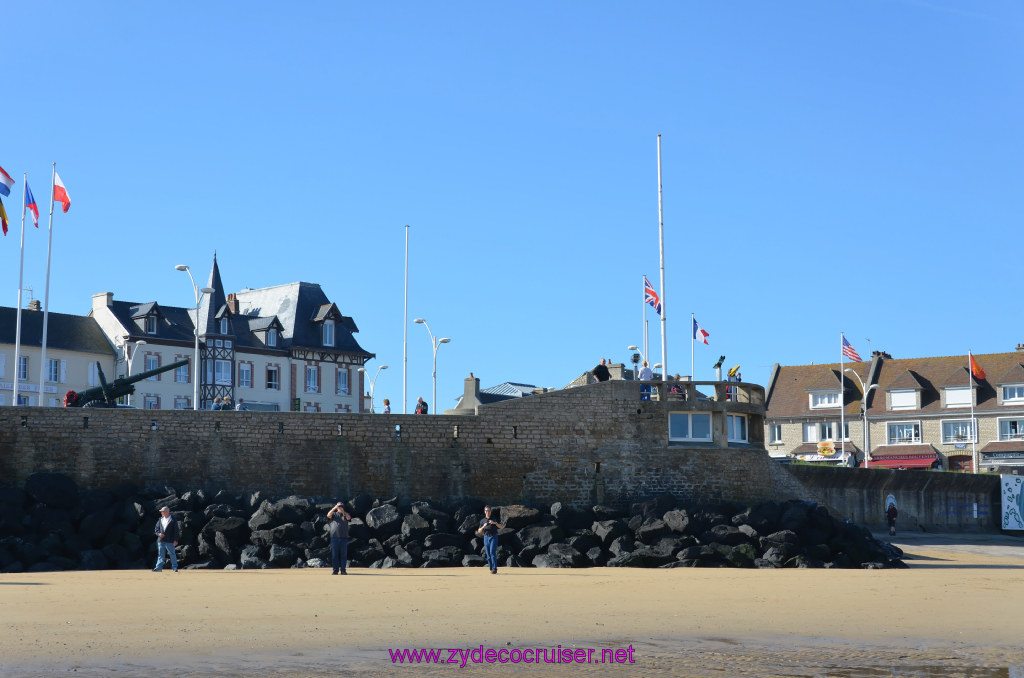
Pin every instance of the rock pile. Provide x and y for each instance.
(51, 525)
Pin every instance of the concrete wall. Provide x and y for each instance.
(925, 499)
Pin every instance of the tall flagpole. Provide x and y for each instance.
(661, 251)
(46, 297)
(974, 434)
(842, 403)
(691, 348)
(405, 329)
(21, 274)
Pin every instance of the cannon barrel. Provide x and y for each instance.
(106, 394)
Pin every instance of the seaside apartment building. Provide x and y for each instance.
(918, 412)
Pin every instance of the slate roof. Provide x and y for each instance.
(789, 392)
(63, 331)
(174, 323)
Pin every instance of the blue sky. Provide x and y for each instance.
(826, 167)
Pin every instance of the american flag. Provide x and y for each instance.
(650, 296)
(849, 352)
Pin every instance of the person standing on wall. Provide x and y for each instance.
(167, 536)
(339, 518)
(489, 529)
(601, 372)
(421, 406)
(387, 406)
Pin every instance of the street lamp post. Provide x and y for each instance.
(129, 357)
(864, 410)
(373, 383)
(195, 367)
(434, 343)
(642, 357)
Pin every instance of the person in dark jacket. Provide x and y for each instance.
(338, 519)
(489, 529)
(890, 516)
(167, 536)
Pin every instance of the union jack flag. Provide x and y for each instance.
(849, 352)
(650, 296)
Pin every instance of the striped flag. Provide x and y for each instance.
(30, 205)
(5, 182)
(699, 332)
(650, 296)
(3, 217)
(60, 194)
(849, 352)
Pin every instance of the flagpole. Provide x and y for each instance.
(691, 348)
(46, 296)
(974, 434)
(643, 316)
(21, 275)
(405, 329)
(661, 251)
(842, 403)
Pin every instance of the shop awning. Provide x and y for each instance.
(907, 456)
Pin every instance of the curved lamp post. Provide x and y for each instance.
(434, 343)
(199, 291)
(372, 383)
(129, 359)
(864, 409)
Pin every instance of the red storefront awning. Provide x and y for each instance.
(904, 460)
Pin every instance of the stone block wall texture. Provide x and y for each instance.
(597, 444)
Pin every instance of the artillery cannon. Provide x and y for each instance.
(106, 395)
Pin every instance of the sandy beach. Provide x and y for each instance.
(956, 611)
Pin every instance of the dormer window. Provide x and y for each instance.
(958, 396)
(820, 401)
(223, 325)
(904, 399)
(328, 332)
(271, 337)
(1014, 393)
(150, 324)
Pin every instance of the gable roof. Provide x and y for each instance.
(174, 323)
(63, 331)
(789, 394)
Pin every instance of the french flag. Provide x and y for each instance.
(698, 332)
(6, 182)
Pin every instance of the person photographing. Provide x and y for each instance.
(489, 529)
(338, 519)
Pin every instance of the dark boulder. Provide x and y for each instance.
(652, 530)
(677, 520)
(415, 526)
(283, 556)
(569, 518)
(606, 513)
(516, 516)
(446, 556)
(608, 530)
(540, 536)
(384, 520)
(93, 559)
(56, 490)
(441, 539)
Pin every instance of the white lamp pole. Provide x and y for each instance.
(373, 383)
(195, 367)
(642, 357)
(864, 409)
(434, 343)
(129, 357)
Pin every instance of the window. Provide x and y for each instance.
(689, 426)
(811, 433)
(271, 337)
(152, 362)
(273, 378)
(219, 343)
(181, 403)
(151, 403)
(1011, 429)
(328, 333)
(903, 399)
(312, 379)
(94, 375)
(957, 431)
(23, 367)
(904, 433)
(775, 433)
(3, 367)
(244, 375)
(222, 372)
(181, 376)
(52, 370)
(1013, 393)
(958, 396)
(342, 382)
(227, 343)
(150, 324)
(823, 400)
(737, 428)
(223, 325)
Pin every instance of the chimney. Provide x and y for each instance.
(1020, 348)
(233, 303)
(34, 305)
(102, 300)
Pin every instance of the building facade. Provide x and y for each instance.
(281, 348)
(920, 412)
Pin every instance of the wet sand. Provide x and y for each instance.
(956, 612)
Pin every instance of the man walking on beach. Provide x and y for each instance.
(167, 535)
(489, 529)
(339, 518)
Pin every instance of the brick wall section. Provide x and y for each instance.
(595, 444)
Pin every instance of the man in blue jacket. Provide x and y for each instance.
(167, 536)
